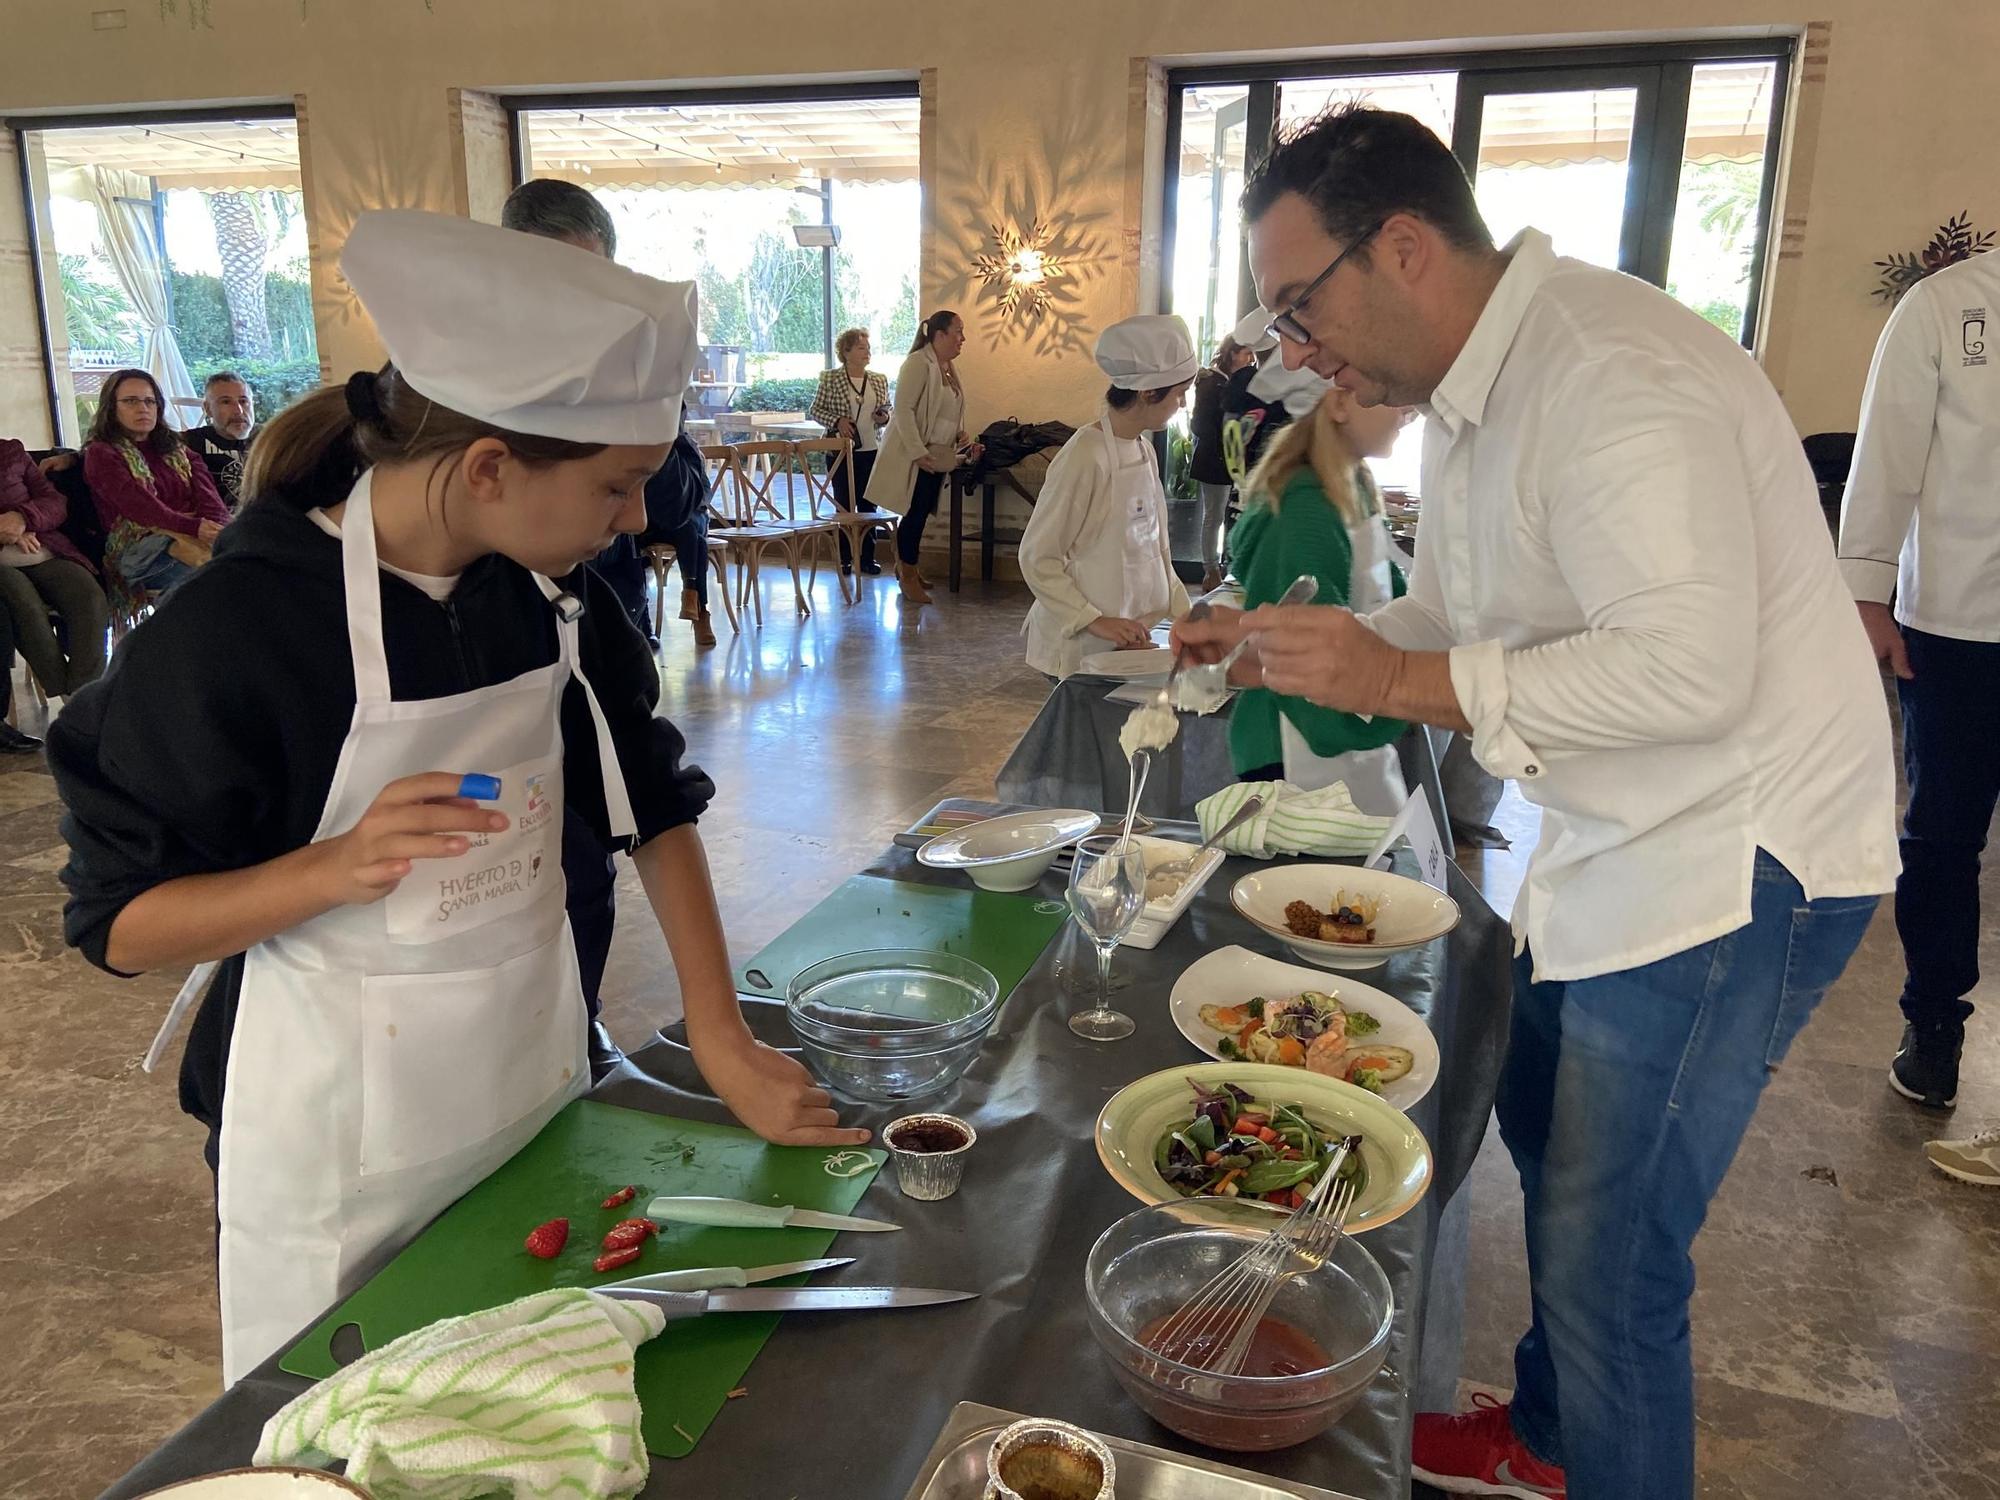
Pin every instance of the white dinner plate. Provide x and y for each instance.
(1154, 661)
(1410, 913)
(1229, 976)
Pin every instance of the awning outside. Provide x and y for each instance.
(773, 144)
(217, 156)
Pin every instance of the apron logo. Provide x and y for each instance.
(540, 808)
(1972, 336)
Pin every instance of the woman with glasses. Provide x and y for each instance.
(160, 508)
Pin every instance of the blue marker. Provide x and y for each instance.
(477, 788)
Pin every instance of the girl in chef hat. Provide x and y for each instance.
(1311, 506)
(331, 772)
(1095, 551)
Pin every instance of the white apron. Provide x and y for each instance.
(1374, 778)
(385, 1058)
(1121, 573)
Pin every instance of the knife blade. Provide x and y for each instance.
(785, 1298)
(707, 1278)
(734, 1213)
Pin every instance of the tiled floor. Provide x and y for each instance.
(1847, 1329)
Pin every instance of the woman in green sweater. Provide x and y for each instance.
(1311, 506)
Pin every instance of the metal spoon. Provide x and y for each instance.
(1180, 867)
(1204, 682)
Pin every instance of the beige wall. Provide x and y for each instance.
(1047, 107)
(24, 401)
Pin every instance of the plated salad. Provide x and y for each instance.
(1237, 1146)
(1311, 1030)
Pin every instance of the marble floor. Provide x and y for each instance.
(1847, 1326)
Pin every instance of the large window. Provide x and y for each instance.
(1656, 160)
(175, 245)
(738, 194)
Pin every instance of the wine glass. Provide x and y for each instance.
(1107, 891)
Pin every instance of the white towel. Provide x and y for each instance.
(1324, 822)
(531, 1399)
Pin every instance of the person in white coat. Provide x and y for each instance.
(1095, 551)
(351, 819)
(1919, 524)
(925, 441)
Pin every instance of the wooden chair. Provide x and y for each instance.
(770, 491)
(735, 531)
(659, 557)
(837, 501)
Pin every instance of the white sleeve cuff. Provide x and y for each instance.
(1479, 678)
(1869, 581)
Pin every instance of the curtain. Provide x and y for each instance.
(124, 202)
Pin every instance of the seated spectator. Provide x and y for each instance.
(225, 437)
(677, 516)
(161, 510)
(42, 573)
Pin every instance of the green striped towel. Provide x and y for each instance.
(1324, 822)
(531, 1399)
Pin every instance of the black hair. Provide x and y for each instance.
(1357, 165)
(941, 321)
(559, 210)
(1118, 398)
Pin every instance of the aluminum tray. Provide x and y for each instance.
(956, 1467)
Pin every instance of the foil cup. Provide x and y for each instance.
(928, 1175)
(1042, 1459)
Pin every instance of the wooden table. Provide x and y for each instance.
(986, 536)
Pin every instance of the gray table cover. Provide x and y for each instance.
(847, 1406)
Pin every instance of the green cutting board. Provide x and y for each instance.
(1003, 931)
(472, 1257)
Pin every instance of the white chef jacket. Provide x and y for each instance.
(1623, 552)
(1079, 531)
(1921, 517)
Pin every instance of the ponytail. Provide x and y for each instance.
(937, 323)
(1315, 440)
(311, 453)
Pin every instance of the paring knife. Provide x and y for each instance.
(734, 1213)
(767, 1299)
(706, 1278)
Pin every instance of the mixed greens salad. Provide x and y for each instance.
(1237, 1146)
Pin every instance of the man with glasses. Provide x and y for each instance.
(1625, 595)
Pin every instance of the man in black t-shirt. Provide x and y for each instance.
(225, 437)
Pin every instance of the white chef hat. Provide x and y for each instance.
(530, 334)
(1254, 332)
(1298, 391)
(1147, 353)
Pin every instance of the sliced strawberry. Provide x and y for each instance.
(546, 1240)
(629, 1232)
(611, 1260)
(620, 1198)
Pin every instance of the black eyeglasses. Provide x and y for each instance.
(1286, 325)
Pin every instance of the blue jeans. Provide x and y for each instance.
(1951, 726)
(1623, 1100)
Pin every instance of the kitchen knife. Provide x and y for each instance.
(705, 1278)
(784, 1298)
(734, 1213)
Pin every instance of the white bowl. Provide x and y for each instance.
(1409, 915)
(1009, 853)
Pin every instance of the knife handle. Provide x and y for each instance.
(720, 1213)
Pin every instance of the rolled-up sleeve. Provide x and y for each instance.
(1649, 520)
(1892, 449)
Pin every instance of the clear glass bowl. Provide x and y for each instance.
(891, 1024)
(1150, 1263)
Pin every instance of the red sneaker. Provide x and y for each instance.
(1476, 1453)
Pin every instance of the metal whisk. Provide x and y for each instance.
(1213, 1330)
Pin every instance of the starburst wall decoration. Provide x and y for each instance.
(1019, 269)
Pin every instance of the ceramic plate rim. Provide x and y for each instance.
(1299, 944)
(1185, 1007)
(1160, 670)
(935, 853)
(1263, 1073)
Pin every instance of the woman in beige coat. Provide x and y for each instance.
(926, 440)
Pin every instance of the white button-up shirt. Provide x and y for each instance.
(1622, 549)
(1921, 517)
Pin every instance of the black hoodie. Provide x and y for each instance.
(211, 741)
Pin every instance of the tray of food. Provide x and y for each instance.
(956, 1467)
